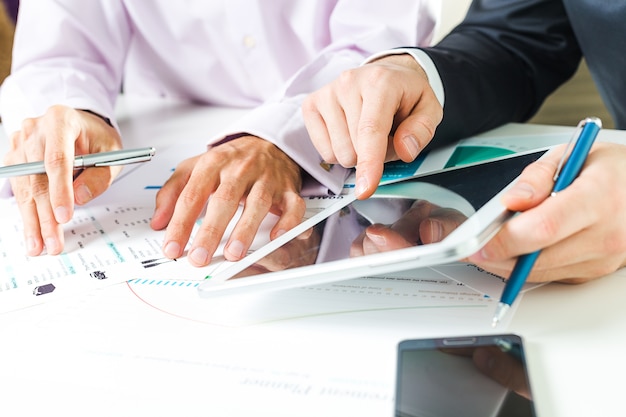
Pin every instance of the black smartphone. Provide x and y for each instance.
(469, 376)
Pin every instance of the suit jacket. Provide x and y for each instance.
(507, 56)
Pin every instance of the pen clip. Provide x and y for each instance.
(572, 142)
(124, 161)
(570, 145)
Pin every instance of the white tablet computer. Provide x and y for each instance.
(464, 203)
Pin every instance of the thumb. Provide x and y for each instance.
(418, 127)
(533, 185)
(92, 182)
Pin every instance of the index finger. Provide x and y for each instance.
(372, 140)
(221, 208)
(59, 163)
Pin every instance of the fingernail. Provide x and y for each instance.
(31, 246)
(172, 250)
(236, 249)
(83, 194)
(436, 231)
(361, 186)
(280, 232)
(522, 190)
(411, 144)
(199, 256)
(377, 239)
(52, 245)
(62, 214)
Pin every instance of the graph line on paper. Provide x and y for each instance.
(165, 282)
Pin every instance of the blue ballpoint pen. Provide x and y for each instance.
(566, 172)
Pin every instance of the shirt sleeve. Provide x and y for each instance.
(500, 63)
(82, 70)
(76, 52)
(358, 29)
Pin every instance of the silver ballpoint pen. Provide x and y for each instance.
(102, 159)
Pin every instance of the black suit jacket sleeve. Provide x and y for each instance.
(501, 62)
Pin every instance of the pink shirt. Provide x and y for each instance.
(259, 54)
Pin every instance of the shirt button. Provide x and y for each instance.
(249, 41)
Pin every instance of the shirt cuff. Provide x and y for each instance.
(424, 61)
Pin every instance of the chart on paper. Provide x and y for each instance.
(104, 245)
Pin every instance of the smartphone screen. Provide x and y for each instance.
(474, 376)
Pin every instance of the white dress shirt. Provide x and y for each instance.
(259, 54)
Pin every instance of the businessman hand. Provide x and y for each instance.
(581, 230)
(382, 111)
(46, 201)
(249, 170)
(423, 223)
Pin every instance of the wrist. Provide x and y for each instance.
(403, 60)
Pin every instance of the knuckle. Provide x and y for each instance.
(346, 159)
(376, 74)
(369, 127)
(347, 78)
(227, 196)
(615, 244)
(209, 233)
(28, 126)
(47, 222)
(225, 192)
(190, 197)
(247, 226)
(56, 159)
(371, 76)
(309, 105)
(544, 166)
(8, 158)
(429, 124)
(547, 228)
(297, 204)
(58, 111)
(175, 225)
(22, 195)
(260, 197)
(39, 189)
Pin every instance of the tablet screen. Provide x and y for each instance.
(412, 212)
